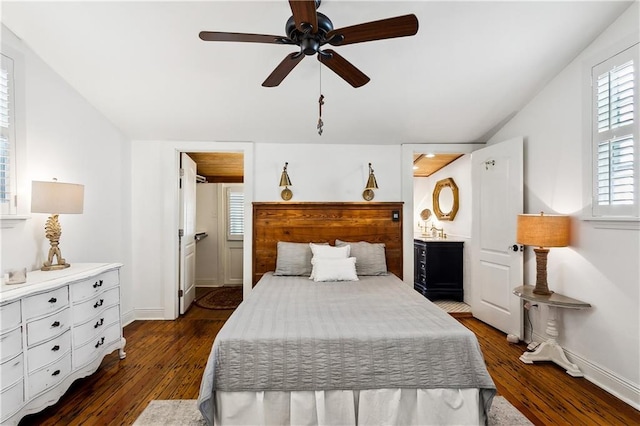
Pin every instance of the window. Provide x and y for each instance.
(614, 134)
(7, 137)
(235, 212)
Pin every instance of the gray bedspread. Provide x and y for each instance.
(293, 334)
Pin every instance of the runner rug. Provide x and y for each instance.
(221, 298)
(183, 412)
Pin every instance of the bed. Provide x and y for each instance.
(348, 346)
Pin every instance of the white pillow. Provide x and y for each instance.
(334, 269)
(330, 252)
(327, 252)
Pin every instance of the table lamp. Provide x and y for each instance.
(56, 198)
(543, 231)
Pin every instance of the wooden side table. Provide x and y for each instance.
(550, 350)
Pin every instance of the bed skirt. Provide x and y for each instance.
(346, 407)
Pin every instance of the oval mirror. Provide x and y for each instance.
(445, 199)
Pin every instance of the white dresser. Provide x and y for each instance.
(54, 329)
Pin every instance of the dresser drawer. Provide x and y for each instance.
(9, 316)
(44, 353)
(11, 344)
(89, 308)
(94, 348)
(95, 327)
(11, 400)
(42, 304)
(91, 287)
(11, 371)
(48, 327)
(49, 375)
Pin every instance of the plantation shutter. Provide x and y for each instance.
(235, 213)
(7, 137)
(615, 135)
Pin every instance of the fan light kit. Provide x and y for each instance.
(310, 30)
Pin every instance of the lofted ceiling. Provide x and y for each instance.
(471, 66)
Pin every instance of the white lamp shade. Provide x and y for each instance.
(57, 197)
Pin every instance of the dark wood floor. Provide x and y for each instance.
(165, 360)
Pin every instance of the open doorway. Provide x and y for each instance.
(219, 228)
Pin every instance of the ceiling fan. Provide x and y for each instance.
(310, 30)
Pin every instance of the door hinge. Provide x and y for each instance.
(180, 293)
(181, 172)
(180, 233)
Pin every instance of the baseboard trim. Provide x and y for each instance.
(149, 314)
(128, 318)
(207, 283)
(605, 379)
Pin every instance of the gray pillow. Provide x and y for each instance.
(293, 259)
(370, 257)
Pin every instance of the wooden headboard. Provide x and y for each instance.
(325, 222)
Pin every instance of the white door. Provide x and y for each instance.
(231, 244)
(187, 268)
(497, 177)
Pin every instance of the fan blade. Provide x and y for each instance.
(400, 26)
(283, 69)
(343, 68)
(243, 37)
(304, 11)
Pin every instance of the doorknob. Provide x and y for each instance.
(516, 248)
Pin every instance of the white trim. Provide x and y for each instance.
(601, 377)
(11, 221)
(407, 193)
(150, 314)
(624, 223)
(587, 146)
(169, 158)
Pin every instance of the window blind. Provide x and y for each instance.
(6, 140)
(615, 135)
(616, 171)
(235, 203)
(615, 97)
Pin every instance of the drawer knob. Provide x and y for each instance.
(100, 342)
(53, 300)
(55, 373)
(55, 348)
(97, 284)
(55, 324)
(99, 323)
(98, 304)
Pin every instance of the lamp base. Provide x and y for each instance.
(542, 287)
(55, 267)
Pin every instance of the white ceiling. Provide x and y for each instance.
(470, 67)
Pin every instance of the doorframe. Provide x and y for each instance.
(407, 192)
(170, 158)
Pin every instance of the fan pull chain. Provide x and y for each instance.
(320, 103)
(320, 123)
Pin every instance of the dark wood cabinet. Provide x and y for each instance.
(438, 269)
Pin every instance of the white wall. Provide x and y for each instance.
(318, 173)
(601, 266)
(207, 253)
(327, 172)
(155, 217)
(66, 138)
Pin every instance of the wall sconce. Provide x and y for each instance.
(56, 198)
(371, 185)
(286, 193)
(543, 231)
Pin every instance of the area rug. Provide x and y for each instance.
(184, 412)
(221, 298)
